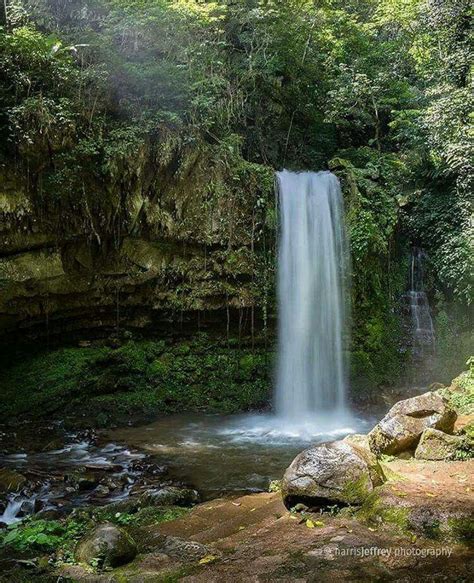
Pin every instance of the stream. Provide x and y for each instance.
(79, 473)
(217, 455)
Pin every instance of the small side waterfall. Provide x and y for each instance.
(313, 273)
(422, 330)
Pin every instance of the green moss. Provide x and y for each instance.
(454, 529)
(461, 392)
(406, 520)
(356, 491)
(274, 486)
(139, 377)
(461, 529)
(397, 516)
(388, 472)
(375, 358)
(469, 431)
(374, 510)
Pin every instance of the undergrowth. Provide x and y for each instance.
(138, 377)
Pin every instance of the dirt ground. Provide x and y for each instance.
(255, 538)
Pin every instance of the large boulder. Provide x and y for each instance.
(436, 445)
(331, 473)
(106, 545)
(400, 430)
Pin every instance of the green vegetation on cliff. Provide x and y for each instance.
(137, 379)
(461, 391)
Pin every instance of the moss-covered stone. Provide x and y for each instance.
(401, 428)
(356, 491)
(359, 440)
(106, 546)
(375, 510)
(437, 445)
(389, 473)
(461, 392)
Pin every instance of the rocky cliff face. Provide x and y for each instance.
(153, 248)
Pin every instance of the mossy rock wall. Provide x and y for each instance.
(189, 247)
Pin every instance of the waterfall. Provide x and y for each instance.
(422, 330)
(313, 273)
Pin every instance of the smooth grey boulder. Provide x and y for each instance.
(108, 545)
(331, 473)
(436, 445)
(401, 428)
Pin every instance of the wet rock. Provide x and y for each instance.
(52, 514)
(87, 482)
(111, 483)
(38, 505)
(105, 467)
(11, 481)
(89, 435)
(401, 429)
(331, 473)
(108, 544)
(101, 491)
(169, 496)
(148, 468)
(436, 445)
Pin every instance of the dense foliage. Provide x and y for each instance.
(59, 537)
(137, 378)
(109, 105)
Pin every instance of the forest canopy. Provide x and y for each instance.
(101, 99)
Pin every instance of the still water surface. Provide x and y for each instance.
(241, 453)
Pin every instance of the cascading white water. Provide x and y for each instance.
(313, 274)
(422, 329)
